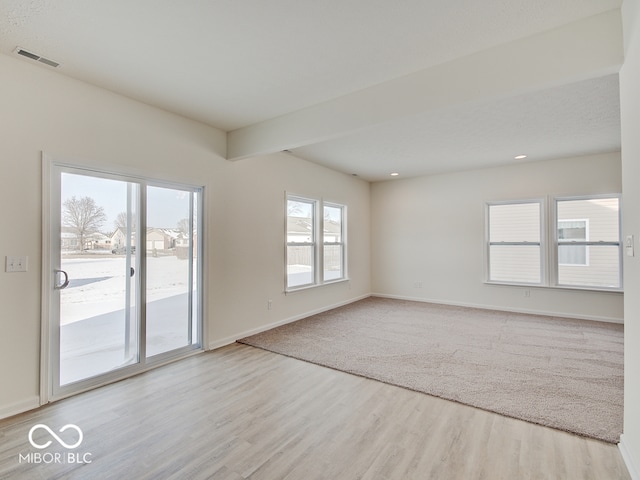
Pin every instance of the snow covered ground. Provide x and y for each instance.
(97, 284)
(92, 334)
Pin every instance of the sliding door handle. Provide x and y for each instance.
(131, 272)
(63, 284)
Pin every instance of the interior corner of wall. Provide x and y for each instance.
(630, 460)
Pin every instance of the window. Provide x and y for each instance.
(301, 242)
(588, 242)
(577, 246)
(569, 233)
(515, 246)
(308, 265)
(333, 242)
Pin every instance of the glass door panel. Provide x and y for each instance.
(96, 281)
(170, 269)
(126, 275)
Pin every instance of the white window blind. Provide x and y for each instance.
(515, 246)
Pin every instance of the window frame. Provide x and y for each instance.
(541, 243)
(317, 242)
(341, 243)
(554, 261)
(549, 243)
(313, 243)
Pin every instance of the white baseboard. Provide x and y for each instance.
(597, 318)
(632, 463)
(223, 342)
(19, 407)
(231, 339)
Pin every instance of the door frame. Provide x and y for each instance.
(50, 240)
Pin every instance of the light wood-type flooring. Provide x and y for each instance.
(240, 412)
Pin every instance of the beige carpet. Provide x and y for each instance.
(563, 373)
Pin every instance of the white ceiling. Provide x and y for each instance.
(235, 64)
(576, 119)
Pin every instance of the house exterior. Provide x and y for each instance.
(70, 240)
(157, 239)
(165, 239)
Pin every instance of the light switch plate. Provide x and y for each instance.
(629, 246)
(17, 263)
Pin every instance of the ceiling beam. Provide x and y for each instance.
(577, 51)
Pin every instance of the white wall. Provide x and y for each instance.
(430, 231)
(630, 115)
(41, 110)
(253, 241)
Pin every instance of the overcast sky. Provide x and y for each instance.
(165, 207)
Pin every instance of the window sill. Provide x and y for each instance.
(558, 287)
(287, 291)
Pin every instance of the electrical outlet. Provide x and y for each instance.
(269, 304)
(417, 285)
(527, 293)
(16, 263)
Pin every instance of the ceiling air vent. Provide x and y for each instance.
(37, 58)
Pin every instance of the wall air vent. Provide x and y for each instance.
(37, 58)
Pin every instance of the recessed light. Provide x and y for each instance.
(395, 174)
(520, 157)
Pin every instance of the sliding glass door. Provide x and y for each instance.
(95, 283)
(125, 276)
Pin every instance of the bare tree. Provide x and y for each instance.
(121, 221)
(184, 226)
(294, 208)
(83, 216)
